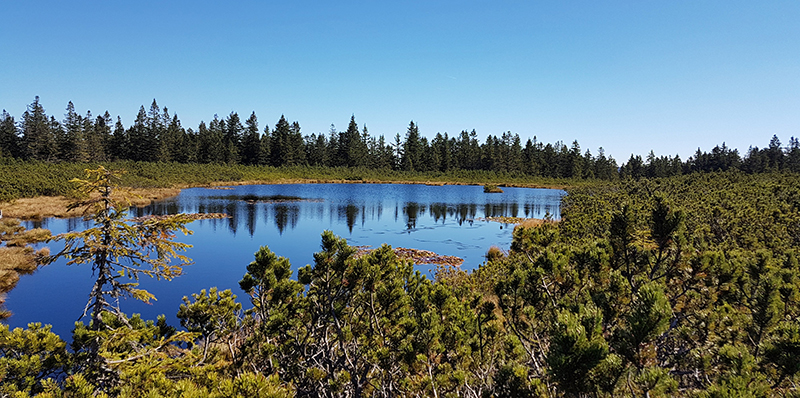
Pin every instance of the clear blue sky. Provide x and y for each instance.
(630, 76)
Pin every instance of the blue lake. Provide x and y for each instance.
(445, 219)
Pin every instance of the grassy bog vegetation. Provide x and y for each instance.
(17, 257)
(681, 286)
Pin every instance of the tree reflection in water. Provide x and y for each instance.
(246, 214)
(412, 210)
(287, 215)
(349, 212)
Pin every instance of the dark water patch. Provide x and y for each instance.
(252, 198)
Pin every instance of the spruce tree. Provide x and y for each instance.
(173, 143)
(296, 145)
(189, 147)
(397, 152)
(153, 132)
(265, 145)
(232, 141)
(97, 137)
(351, 148)
(72, 147)
(412, 148)
(575, 163)
(210, 142)
(550, 162)
(429, 160)
(441, 146)
(333, 148)
(251, 142)
(9, 137)
(118, 249)
(385, 156)
(366, 158)
(461, 150)
(316, 150)
(530, 156)
(37, 137)
(87, 130)
(138, 137)
(489, 154)
(119, 143)
(279, 143)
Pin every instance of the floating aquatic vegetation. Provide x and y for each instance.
(193, 216)
(417, 256)
(529, 222)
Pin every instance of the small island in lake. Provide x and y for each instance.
(489, 188)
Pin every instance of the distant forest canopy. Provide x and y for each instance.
(157, 136)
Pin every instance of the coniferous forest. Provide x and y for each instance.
(158, 136)
(662, 278)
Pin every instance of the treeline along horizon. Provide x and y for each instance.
(157, 136)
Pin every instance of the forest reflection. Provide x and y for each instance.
(246, 215)
(286, 216)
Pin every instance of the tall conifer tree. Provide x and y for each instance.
(138, 137)
(251, 142)
(98, 137)
(72, 146)
(233, 138)
(119, 143)
(412, 148)
(37, 137)
(9, 137)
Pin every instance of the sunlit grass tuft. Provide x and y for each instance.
(16, 261)
(533, 223)
(494, 253)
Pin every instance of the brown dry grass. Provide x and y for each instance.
(494, 253)
(23, 260)
(145, 196)
(9, 226)
(8, 279)
(15, 234)
(56, 206)
(27, 237)
(37, 208)
(16, 261)
(532, 223)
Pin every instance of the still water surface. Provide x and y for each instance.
(443, 219)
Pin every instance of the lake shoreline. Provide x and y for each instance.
(40, 207)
